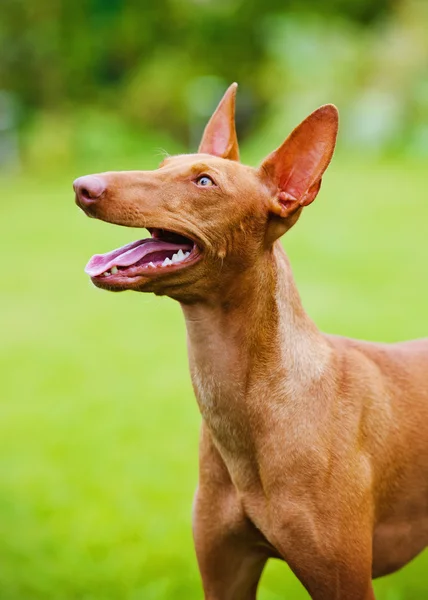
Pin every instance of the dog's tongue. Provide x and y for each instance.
(129, 255)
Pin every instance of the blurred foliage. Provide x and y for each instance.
(55, 50)
(164, 64)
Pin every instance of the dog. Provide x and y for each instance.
(314, 448)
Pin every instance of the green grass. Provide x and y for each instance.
(98, 425)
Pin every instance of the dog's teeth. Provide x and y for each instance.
(106, 273)
(114, 270)
(151, 264)
(178, 256)
(175, 258)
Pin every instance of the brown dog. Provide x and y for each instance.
(314, 448)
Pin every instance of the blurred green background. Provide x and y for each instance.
(98, 424)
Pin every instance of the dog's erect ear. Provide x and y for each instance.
(295, 169)
(219, 137)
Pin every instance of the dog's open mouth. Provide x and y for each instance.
(164, 251)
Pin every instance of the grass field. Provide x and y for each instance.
(98, 424)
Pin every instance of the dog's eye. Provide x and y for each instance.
(204, 181)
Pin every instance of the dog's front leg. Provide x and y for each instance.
(230, 567)
(330, 554)
(231, 552)
(335, 581)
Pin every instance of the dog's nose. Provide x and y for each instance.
(88, 189)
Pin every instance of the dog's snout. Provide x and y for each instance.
(88, 189)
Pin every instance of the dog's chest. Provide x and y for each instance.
(221, 401)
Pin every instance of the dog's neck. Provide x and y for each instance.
(251, 350)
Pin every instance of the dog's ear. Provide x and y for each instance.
(295, 169)
(219, 137)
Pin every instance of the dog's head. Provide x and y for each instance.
(210, 217)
